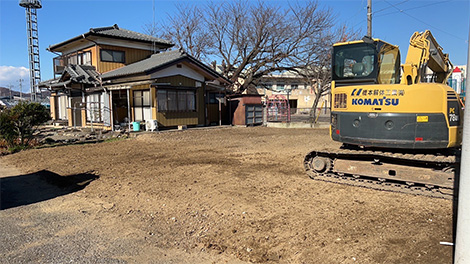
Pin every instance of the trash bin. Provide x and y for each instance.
(136, 126)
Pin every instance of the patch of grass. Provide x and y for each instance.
(18, 148)
(113, 139)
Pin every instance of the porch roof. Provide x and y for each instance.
(83, 74)
(160, 60)
(53, 83)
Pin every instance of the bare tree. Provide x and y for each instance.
(152, 29)
(315, 67)
(261, 39)
(252, 40)
(187, 29)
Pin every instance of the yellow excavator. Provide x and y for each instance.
(400, 125)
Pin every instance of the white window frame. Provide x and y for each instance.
(142, 103)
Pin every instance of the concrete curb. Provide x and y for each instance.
(321, 125)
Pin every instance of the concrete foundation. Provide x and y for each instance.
(298, 125)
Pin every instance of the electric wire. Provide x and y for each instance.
(419, 20)
(412, 8)
(385, 8)
(359, 11)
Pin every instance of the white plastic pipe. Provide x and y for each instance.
(462, 240)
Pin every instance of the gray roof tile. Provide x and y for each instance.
(115, 32)
(155, 61)
(82, 73)
(85, 74)
(160, 60)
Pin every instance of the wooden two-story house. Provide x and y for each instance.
(109, 77)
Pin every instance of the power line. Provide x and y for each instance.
(362, 8)
(419, 20)
(412, 8)
(378, 11)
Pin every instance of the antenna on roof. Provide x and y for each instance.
(154, 44)
(33, 44)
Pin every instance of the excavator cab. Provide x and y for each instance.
(366, 62)
(377, 102)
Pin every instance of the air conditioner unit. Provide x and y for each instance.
(151, 125)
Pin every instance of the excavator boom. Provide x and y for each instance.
(423, 52)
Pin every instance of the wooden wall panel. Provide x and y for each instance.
(53, 106)
(131, 56)
(169, 119)
(178, 80)
(95, 58)
(213, 114)
(201, 106)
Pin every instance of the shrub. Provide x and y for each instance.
(19, 124)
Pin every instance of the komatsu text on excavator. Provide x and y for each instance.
(400, 125)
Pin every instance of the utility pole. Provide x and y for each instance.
(10, 86)
(462, 239)
(21, 87)
(369, 18)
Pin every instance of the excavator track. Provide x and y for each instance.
(419, 174)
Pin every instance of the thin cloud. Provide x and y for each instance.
(9, 75)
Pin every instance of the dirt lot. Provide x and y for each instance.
(210, 196)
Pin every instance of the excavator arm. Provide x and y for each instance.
(424, 52)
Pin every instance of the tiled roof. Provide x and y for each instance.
(115, 32)
(155, 61)
(85, 74)
(8, 103)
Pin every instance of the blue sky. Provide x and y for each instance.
(393, 21)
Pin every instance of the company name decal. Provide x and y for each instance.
(385, 100)
(376, 92)
(379, 101)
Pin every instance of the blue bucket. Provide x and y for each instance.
(136, 126)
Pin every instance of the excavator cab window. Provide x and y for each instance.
(389, 64)
(373, 63)
(355, 62)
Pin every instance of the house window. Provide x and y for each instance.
(176, 100)
(142, 105)
(94, 107)
(294, 86)
(280, 87)
(112, 56)
(84, 58)
(172, 100)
